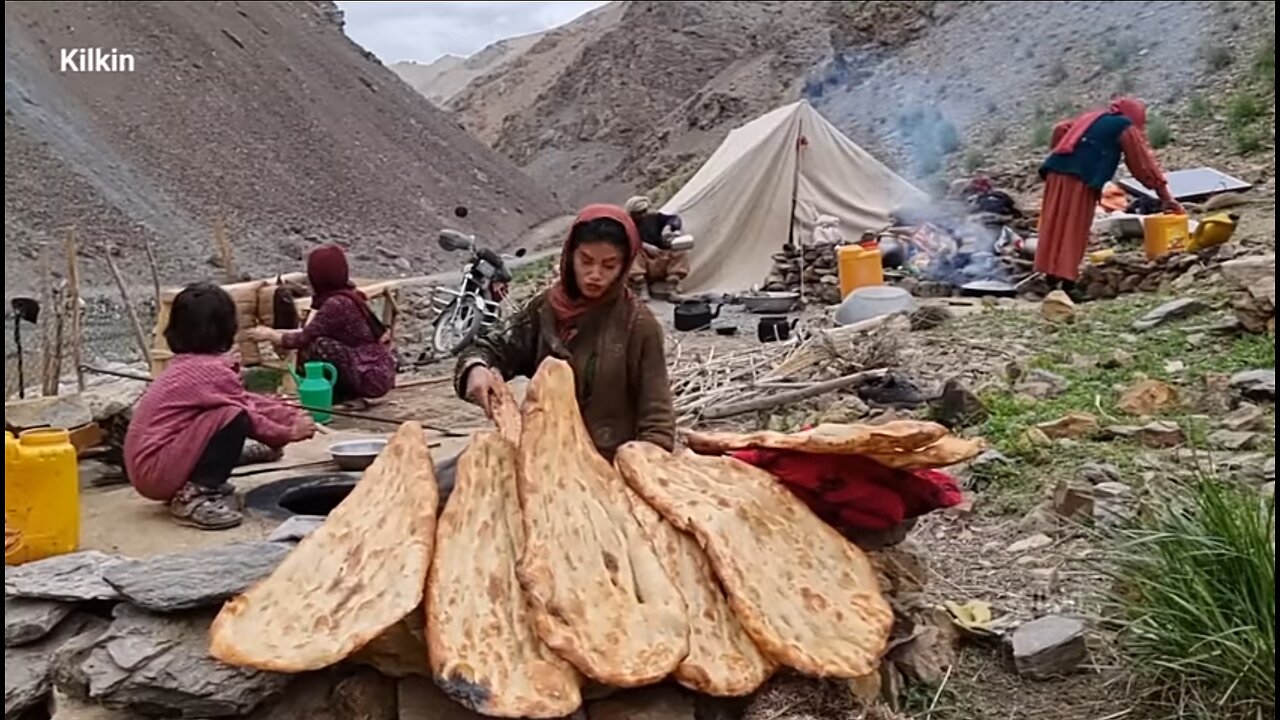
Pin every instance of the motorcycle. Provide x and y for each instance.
(476, 304)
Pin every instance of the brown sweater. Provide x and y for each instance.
(618, 363)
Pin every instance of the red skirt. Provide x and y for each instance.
(1066, 215)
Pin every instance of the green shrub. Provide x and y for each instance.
(1242, 109)
(1264, 62)
(974, 159)
(1041, 133)
(1217, 57)
(1158, 132)
(1248, 139)
(1199, 107)
(1195, 591)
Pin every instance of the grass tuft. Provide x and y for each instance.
(1158, 132)
(1195, 590)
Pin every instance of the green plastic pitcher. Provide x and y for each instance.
(315, 388)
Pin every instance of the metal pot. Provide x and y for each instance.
(356, 454)
(893, 254)
(770, 303)
(775, 328)
(695, 315)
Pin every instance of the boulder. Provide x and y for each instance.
(26, 621)
(28, 670)
(1232, 440)
(958, 406)
(1172, 310)
(76, 577)
(1074, 425)
(194, 578)
(1255, 384)
(160, 664)
(1058, 307)
(1031, 543)
(1162, 434)
(1050, 646)
(1244, 418)
(1147, 397)
(1073, 500)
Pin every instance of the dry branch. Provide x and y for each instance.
(791, 396)
(73, 305)
(134, 325)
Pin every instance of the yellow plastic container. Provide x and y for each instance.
(858, 267)
(1163, 234)
(41, 494)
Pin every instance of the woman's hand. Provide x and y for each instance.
(262, 333)
(1173, 206)
(482, 387)
(303, 428)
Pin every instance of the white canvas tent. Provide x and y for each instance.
(773, 177)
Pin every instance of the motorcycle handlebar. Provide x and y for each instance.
(453, 240)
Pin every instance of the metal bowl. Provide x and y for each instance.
(770, 303)
(356, 454)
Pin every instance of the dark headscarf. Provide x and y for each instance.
(330, 277)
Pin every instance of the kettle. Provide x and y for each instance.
(694, 315)
(315, 388)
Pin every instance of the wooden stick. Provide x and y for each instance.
(224, 248)
(424, 381)
(53, 370)
(155, 272)
(73, 302)
(134, 325)
(792, 396)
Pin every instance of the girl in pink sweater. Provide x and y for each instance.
(190, 427)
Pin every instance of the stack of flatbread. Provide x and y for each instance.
(550, 566)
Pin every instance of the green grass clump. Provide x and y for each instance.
(1242, 110)
(1158, 132)
(1195, 591)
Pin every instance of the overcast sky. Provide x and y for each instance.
(426, 30)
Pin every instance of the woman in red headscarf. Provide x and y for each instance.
(591, 319)
(1086, 153)
(342, 331)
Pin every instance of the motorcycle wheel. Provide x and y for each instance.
(456, 327)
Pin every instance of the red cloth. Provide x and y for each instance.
(195, 397)
(851, 492)
(568, 310)
(1131, 108)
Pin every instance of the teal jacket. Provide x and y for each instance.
(1097, 155)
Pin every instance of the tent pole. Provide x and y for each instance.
(794, 239)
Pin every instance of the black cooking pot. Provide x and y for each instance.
(775, 328)
(694, 315)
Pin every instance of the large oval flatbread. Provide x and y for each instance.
(601, 598)
(484, 652)
(723, 660)
(905, 444)
(356, 575)
(808, 597)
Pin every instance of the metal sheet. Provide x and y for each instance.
(1191, 184)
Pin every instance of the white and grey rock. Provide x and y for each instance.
(1043, 385)
(195, 578)
(1244, 418)
(1256, 384)
(1096, 473)
(1232, 440)
(75, 577)
(1050, 646)
(26, 620)
(1172, 310)
(28, 676)
(296, 528)
(160, 664)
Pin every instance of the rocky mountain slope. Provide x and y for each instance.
(931, 86)
(445, 77)
(262, 114)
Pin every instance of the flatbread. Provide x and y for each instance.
(356, 575)
(808, 597)
(601, 598)
(723, 660)
(484, 652)
(506, 414)
(906, 444)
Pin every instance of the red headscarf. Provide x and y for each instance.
(1129, 107)
(569, 310)
(330, 276)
